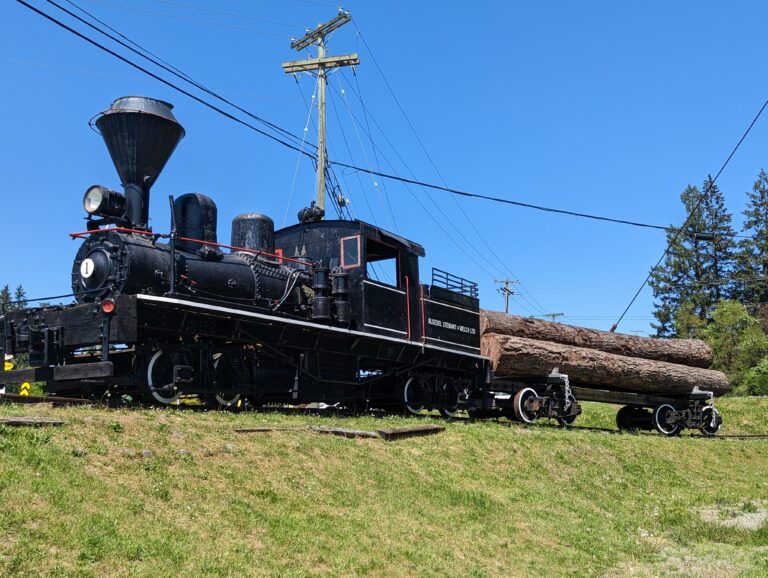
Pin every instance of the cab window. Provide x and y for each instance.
(350, 252)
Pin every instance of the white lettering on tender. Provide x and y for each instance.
(451, 326)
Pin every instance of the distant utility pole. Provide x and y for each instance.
(506, 291)
(553, 316)
(321, 64)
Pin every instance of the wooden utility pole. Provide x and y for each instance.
(321, 64)
(506, 291)
(553, 316)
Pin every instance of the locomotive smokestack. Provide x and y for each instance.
(141, 134)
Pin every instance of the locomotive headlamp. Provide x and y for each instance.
(103, 202)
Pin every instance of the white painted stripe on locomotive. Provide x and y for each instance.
(453, 343)
(387, 329)
(366, 282)
(253, 314)
(453, 307)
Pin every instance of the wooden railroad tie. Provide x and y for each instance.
(385, 434)
(31, 421)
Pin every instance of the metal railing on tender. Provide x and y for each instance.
(454, 283)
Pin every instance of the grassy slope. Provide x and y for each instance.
(479, 499)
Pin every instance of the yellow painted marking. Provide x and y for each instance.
(24, 388)
(8, 366)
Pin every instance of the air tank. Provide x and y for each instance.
(254, 231)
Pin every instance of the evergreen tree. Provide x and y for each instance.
(695, 273)
(5, 298)
(19, 298)
(751, 275)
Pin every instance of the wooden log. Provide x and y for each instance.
(693, 352)
(521, 358)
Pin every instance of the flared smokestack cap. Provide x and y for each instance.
(141, 134)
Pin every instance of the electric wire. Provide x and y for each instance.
(159, 62)
(701, 199)
(298, 139)
(157, 77)
(369, 170)
(232, 14)
(298, 159)
(437, 206)
(472, 225)
(373, 149)
(349, 152)
(187, 18)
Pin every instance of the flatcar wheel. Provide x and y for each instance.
(568, 420)
(160, 373)
(410, 386)
(520, 403)
(624, 421)
(661, 422)
(710, 421)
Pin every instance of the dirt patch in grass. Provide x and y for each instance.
(750, 516)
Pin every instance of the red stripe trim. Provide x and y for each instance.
(167, 236)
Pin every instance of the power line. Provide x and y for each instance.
(491, 250)
(703, 196)
(232, 14)
(185, 77)
(186, 18)
(147, 55)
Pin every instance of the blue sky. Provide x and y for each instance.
(602, 107)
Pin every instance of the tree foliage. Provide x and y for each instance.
(699, 259)
(751, 272)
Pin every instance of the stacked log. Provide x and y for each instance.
(692, 352)
(524, 348)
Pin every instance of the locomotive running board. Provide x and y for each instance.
(300, 323)
(58, 373)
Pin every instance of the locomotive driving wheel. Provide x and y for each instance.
(411, 396)
(160, 376)
(225, 377)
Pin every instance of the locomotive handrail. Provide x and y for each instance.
(82, 234)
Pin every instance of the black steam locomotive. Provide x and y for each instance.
(289, 316)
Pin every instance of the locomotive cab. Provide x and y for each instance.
(385, 291)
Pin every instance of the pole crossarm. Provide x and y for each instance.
(317, 63)
(322, 30)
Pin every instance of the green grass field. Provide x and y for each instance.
(480, 499)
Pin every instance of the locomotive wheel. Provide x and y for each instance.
(568, 420)
(520, 403)
(160, 374)
(449, 411)
(410, 386)
(709, 416)
(661, 417)
(223, 398)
